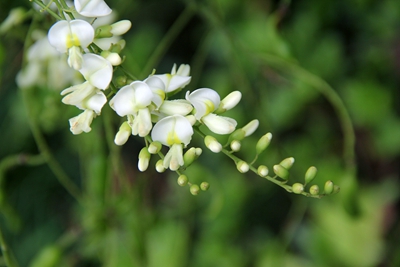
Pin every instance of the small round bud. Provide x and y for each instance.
(242, 166)
(328, 187)
(263, 143)
(262, 170)
(287, 163)
(182, 180)
(212, 144)
(194, 189)
(336, 189)
(144, 158)
(204, 186)
(251, 127)
(281, 172)
(123, 134)
(121, 81)
(112, 57)
(154, 147)
(235, 145)
(160, 166)
(314, 190)
(310, 174)
(298, 188)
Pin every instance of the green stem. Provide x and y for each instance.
(169, 37)
(7, 253)
(46, 8)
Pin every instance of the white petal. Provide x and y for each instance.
(96, 102)
(172, 130)
(183, 70)
(143, 94)
(75, 58)
(157, 87)
(177, 82)
(123, 134)
(231, 100)
(83, 30)
(81, 123)
(92, 8)
(123, 101)
(120, 27)
(142, 123)
(204, 100)
(179, 107)
(58, 35)
(174, 157)
(96, 70)
(219, 124)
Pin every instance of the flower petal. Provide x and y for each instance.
(96, 70)
(172, 130)
(92, 8)
(204, 100)
(219, 124)
(81, 123)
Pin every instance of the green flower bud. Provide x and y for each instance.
(242, 166)
(103, 32)
(328, 188)
(123, 134)
(314, 190)
(154, 147)
(310, 174)
(298, 188)
(238, 134)
(190, 156)
(262, 170)
(281, 172)
(229, 102)
(160, 166)
(182, 180)
(263, 143)
(235, 145)
(204, 186)
(336, 189)
(250, 127)
(287, 163)
(144, 158)
(212, 144)
(121, 81)
(194, 189)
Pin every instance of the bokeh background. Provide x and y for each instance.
(304, 68)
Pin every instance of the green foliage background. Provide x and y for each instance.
(278, 54)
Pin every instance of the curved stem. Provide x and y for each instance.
(8, 256)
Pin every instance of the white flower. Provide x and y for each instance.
(173, 131)
(71, 36)
(96, 70)
(81, 123)
(219, 124)
(176, 79)
(92, 8)
(84, 96)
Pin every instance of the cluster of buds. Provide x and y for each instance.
(91, 47)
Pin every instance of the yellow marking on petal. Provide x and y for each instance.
(173, 138)
(209, 106)
(73, 40)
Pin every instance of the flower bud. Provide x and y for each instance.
(242, 166)
(117, 47)
(191, 155)
(328, 187)
(250, 127)
(160, 166)
(262, 170)
(103, 31)
(182, 180)
(123, 134)
(112, 57)
(194, 189)
(263, 143)
(281, 172)
(154, 147)
(212, 144)
(14, 18)
(235, 145)
(229, 102)
(314, 190)
(287, 163)
(120, 27)
(336, 189)
(310, 174)
(238, 135)
(144, 158)
(298, 188)
(204, 186)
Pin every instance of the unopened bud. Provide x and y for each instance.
(250, 127)
(262, 170)
(154, 147)
(310, 174)
(204, 186)
(103, 31)
(229, 102)
(120, 27)
(14, 18)
(235, 145)
(194, 189)
(144, 158)
(112, 57)
(238, 134)
(328, 187)
(263, 143)
(298, 188)
(123, 134)
(336, 189)
(242, 166)
(160, 166)
(314, 190)
(212, 144)
(182, 180)
(281, 172)
(287, 163)
(190, 156)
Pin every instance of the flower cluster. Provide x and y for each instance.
(91, 46)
